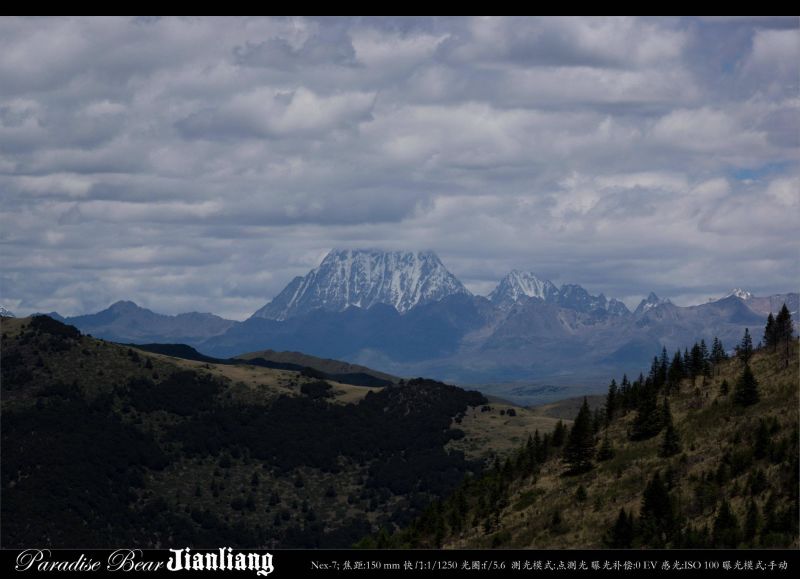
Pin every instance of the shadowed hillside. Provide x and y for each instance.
(136, 448)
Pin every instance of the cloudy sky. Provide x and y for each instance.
(200, 164)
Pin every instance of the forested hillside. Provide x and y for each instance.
(700, 452)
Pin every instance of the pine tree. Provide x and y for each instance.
(771, 333)
(556, 523)
(597, 420)
(663, 366)
(670, 444)
(724, 388)
(751, 521)
(649, 420)
(540, 448)
(746, 392)
(625, 392)
(657, 518)
(606, 451)
(612, 401)
(762, 441)
(726, 528)
(745, 349)
(783, 325)
(717, 354)
(580, 446)
(675, 373)
(559, 434)
(622, 533)
(696, 363)
(705, 366)
(784, 332)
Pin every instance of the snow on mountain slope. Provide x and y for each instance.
(740, 293)
(519, 284)
(363, 278)
(652, 301)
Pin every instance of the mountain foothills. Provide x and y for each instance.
(405, 314)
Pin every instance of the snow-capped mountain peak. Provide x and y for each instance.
(363, 278)
(522, 284)
(5, 313)
(519, 285)
(652, 301)
(740, 293)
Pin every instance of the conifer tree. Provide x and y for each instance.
(705, 367)
(597, 420)
(784, 332)
(657, 518)
(783, 325)
(724, 388)
(762, 441)
(745, 349)
(675, 373)
(540, 448)
(606, 451)
(663, 366)
(746, 392)
(696, 364)
(556, 523)
(612, 401)
(622, 533)
(579, 450)
(670, 444)
(559, 434)
(649, 420)
(771, 333)
(726, 527)
(625, 393)
(717, 351)
(751, 521)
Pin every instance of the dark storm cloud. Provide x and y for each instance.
(200, 164)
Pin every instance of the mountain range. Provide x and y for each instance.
(404, 313)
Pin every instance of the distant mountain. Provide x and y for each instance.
(574, 297)
(773, 304)
(404, 314)
(124, 321)
(467, 339)
(518, 285)
(521, 285)
(5, 313)
(364, 278)
(649, 303)
(740, 293)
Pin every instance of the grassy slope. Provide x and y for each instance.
(709, 426)
(494, 432)
(326, 365)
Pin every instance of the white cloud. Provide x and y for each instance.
(194, 163)
(773, 61)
